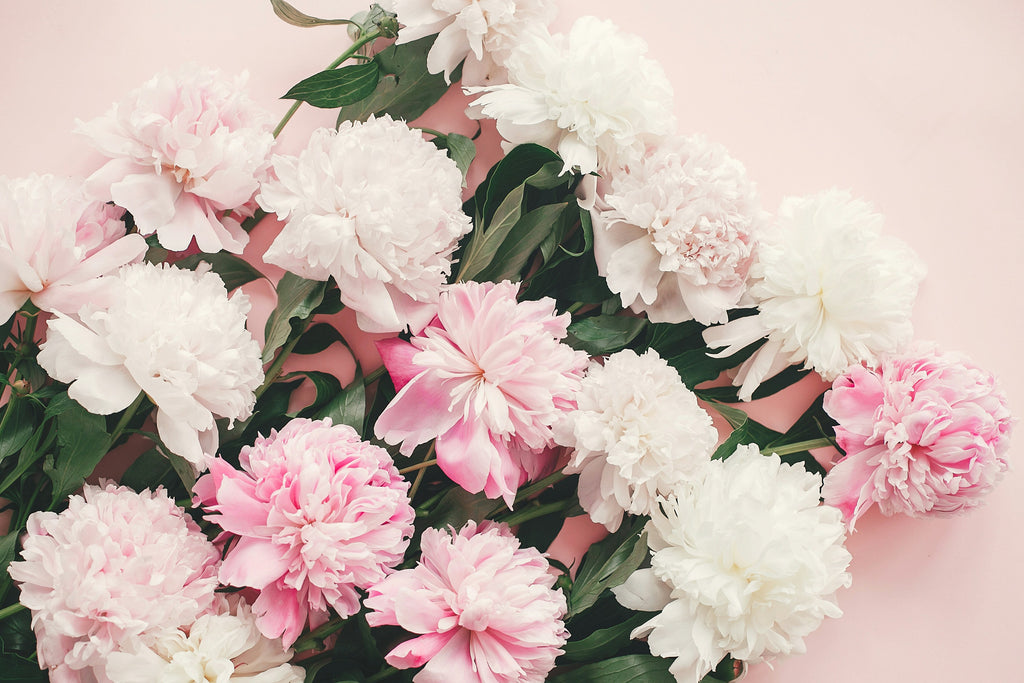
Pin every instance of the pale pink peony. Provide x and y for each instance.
(675, 234)
(115, 565)
(484, 607)
(376, 207)
(55, 245)
(926, 433)
(187, 152)
(318, 513)
(487, 379)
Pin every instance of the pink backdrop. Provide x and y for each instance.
(916, 106)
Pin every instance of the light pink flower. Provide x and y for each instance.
(55, 245)
(925, 433)
(487, 379)
(318, 513)
(115, 565)
(186, 148)
(484, 607)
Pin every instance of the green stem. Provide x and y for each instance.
(525, 515)
(382, 674)
(11, 610)
(431, 131)
(363, 40)
(800, 446)
(126, 417)
(252, 221)
(575, 307)
(314, 639)
(274, 371)
(374, 375)
(539, 486)
(420, 466)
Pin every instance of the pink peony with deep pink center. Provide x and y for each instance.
(483, 606)
(925, 433)
(487, 379)
(318, 514)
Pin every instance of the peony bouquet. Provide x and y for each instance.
(571, 309)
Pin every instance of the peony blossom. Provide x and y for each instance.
(593, 96)
(746, 562)
(483, 607)
(481, 32)
(675, 234)
(926, 433)
(174, 334)
(378, 208)
(637, 435)
(187, 152)
(318, 514)
(55, 245)
(487, 379)
(832, 291)
(115, 565)
(220, 647)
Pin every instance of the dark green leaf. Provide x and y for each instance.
(183, 468)
(337, 87)
(603, 334)
(149, 470)
(405, 89)
(326, 387)
(484, 241)
(296, 299)
(745, 431)
(289, 14)
(627, 669)
(82, 441)
(523, 163)
(332, 301)
(22, 670)
(17, 423)
(348, 406)
(608, 564)
(233, 270)
(317, 338)
(605, 641)
(784, 379)
(8, 549)
(458, 506)
(523, 239)
(462, 151)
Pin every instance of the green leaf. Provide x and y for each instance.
(485, 239)
(405, 88)
(608, 564)
(530, 163)
(326, 387)
(8, 549)
(786, 378)
(458, 506)
(296, 299)
(317, 339)
(523, 239)
(82, 441)
(22, 670)
(17, 424)
(349, 405)
(149, 470)
(462, 151)
(627, 669)
(745, 431)
(233, 270)
(603, 334)
(289, 14)
(605, 641)
(815, 423)
(337, 87)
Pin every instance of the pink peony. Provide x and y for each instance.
(115, 565)
(55, 245)
(484, 607)
(187, 153)
(487, 379)
(926, 433)
(318, 513)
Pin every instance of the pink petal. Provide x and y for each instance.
(418, 651)
(253, 562)
(397, 357)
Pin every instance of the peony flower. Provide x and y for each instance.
(483, 606)
(378, 208)
(676, 234)
(115, 565)
(745, 562)
(174, 334)
(481, 32)
(593, 96)
(220, 647)
(55, 245)
(926, 433)
(318, 513)
(487, 379)
(187, 152)
(833, 291)
(637, 434)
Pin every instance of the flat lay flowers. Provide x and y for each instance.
(561, 302)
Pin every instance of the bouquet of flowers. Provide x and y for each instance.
(573, 331)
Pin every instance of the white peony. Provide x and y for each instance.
(174, 334)
(593, 96)
(638, 435)
(746, 562)
(481, 32)
(217, 647)
(675, 234)
(832, 292)
(378, 208)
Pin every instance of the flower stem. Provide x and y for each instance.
(420, 466)
(363, 40)
(314, 639)
(129, 413)
(11, 610)
(274, 371)
(382, 674)
(539, 486)
(374, 375)
(800, 446)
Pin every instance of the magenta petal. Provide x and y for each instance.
(397, 356)
(253, 562)
(418, 651)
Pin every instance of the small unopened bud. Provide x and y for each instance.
(384, 21)
(20, 387)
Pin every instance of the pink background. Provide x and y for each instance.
(916, 106)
